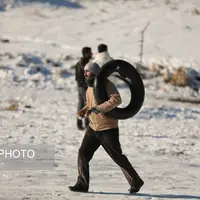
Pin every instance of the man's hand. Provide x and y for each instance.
(81, 113)
(93, 109)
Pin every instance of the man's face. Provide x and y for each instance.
(88, 55)
(87, 74)
(89, 78)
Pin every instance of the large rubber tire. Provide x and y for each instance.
(131, 77)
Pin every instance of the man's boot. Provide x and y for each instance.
(79, 187)
(135, 189)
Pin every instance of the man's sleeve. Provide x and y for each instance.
(113, 101)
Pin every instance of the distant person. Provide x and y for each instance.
(81, 83)
(103, 56)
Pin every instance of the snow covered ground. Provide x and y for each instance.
(161, 141)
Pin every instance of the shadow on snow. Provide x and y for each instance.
(169, 196)
(64, 3)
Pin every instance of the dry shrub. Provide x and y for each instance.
(178, 78)
(13, 107)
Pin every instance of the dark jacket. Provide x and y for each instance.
(79, 72)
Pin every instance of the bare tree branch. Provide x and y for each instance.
(142, 42)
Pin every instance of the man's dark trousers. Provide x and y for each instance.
(81, 103)
(81, 97)
(109, 139)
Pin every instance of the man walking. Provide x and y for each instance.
(82, 85)
(102, 130)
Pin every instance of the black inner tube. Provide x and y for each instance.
(131, 77)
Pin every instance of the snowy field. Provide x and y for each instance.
(162, 141)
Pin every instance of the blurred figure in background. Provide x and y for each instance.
(81, 83)
(103, 56)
